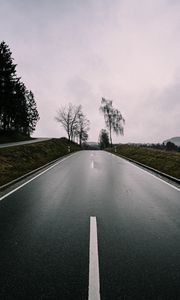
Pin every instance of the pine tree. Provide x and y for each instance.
(18, 111)
(7, 82)
(103, 139)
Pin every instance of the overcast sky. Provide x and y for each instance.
(81, 50)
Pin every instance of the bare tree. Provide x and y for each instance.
(113, 118)
(67, 117)
(82, 128)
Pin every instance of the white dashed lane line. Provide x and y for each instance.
(94, 283)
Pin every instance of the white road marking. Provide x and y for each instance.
(158, 178)
(19, 187)
(92, 164)
(148, 172)
(94, 285)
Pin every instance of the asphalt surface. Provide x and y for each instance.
(5, 145)
(44, 232)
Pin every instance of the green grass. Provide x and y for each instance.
(165, 161)
(19, 160)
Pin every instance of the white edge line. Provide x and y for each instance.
(94, 283)
(19, 187)
(139, 167)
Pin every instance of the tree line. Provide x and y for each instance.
(18, 110)
(169, 146)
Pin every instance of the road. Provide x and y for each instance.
(23, 142)
(45, 232)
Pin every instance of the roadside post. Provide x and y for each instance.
(69, 149)
(115, 149)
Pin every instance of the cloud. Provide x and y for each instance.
(157, 116)
(78, 51)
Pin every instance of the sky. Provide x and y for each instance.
(78, 51)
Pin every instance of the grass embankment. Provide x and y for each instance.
(19, 160)
(165, 161)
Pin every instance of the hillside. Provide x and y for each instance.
(19, 160)
(165, 161)
(174, 140)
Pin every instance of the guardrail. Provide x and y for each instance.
(7, 185)
(173, 179)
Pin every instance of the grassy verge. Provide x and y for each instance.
(19, 160)
(162, 160)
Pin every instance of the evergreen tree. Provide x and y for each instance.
(7, 82)
(18, 110)
(20, 114)
(103, 139)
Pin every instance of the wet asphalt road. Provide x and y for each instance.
(44, 232)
